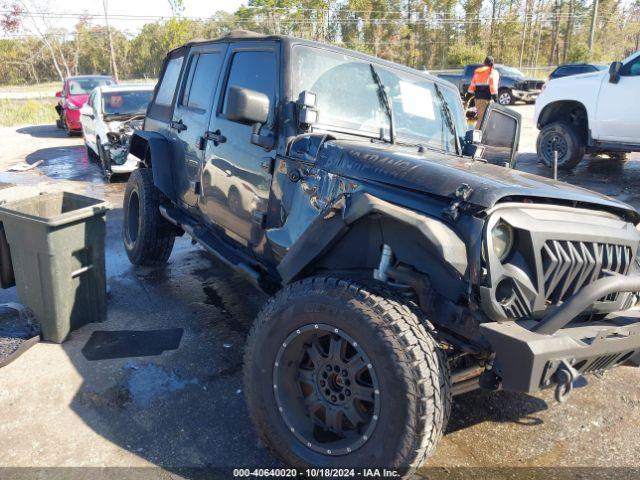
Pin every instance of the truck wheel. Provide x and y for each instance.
(336, 375)
(563, 138)
(148, 237)
(505, 97)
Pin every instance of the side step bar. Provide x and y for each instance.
(210, 242)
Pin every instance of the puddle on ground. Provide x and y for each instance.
(149, 382)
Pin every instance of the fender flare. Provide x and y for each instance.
(338, 218)
(155, 151)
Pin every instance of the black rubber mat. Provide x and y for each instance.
(104, 344)
(19, 331)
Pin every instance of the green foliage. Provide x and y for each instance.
(461, 54)
(23, 112)
(578, 53)
(429, 34)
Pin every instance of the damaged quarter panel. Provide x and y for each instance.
(363, 215)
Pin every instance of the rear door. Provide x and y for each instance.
(88, 123)
(617, 115)
(191, 117)
(236, 176)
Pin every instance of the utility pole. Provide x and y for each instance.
(112, 54)
(592, 32)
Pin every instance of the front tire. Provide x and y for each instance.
(104, 161)
(148, 236)
(386, 400)
(563, 138)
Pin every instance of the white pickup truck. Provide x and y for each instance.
(596, 113)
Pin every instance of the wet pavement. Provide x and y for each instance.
(182, 404)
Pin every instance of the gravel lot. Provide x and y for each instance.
(185, 408)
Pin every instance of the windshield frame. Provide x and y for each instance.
(380, 64)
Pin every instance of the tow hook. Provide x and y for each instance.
(564, 377)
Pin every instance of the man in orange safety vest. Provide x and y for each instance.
(484, 86)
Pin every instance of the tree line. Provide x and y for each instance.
(424, 34)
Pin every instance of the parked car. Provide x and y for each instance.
(74, 94)
(408, 260)
(513, 85)
(569, 69)
(109, 118)
(590, 113)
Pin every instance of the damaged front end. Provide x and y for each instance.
(117, 146)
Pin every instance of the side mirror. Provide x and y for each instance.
(59, 94)
(614, 72)
(500, 135)
(251, 108)
(247, 106)
(87, 111)
(473, 144)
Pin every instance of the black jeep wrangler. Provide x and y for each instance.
(408, 259)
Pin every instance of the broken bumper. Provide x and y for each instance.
(528, 354)
(526, 95)
(127, 167)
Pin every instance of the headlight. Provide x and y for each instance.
(502, 239)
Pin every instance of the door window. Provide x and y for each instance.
(169, 81)
(255, 70)
(202, 80)
(631, 69)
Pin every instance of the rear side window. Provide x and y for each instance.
(203, 77)
(255, 71)
(169, 81)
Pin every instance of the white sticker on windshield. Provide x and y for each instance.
(417, 100)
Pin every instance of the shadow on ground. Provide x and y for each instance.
(43, 131)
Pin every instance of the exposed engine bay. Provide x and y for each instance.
(119, 137)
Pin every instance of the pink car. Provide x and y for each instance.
(73, 96)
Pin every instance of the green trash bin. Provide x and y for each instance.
(57, 251)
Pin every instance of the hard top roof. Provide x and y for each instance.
(246, 35)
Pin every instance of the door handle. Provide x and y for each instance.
(178, 126)
(216, 137)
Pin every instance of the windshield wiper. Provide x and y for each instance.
(446, 112)
(386, 103)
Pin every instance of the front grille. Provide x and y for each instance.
(529, 85)
(568, 266)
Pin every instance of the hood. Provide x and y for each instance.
(78, 100)
(441, 174)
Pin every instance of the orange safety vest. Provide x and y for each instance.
(485, 79)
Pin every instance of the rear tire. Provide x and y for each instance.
(563, 138)
(409, 386)
(148, 236)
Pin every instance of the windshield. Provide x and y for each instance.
(83, 86)
(126, 103)
(509, 71)
(348, 99)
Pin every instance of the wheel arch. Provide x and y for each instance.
(351, 235)
(572, 112)
(155, 152)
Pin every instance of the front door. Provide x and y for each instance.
(236, 177)
(191, 117)
(618, 115)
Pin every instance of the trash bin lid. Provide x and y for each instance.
(55, 208)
